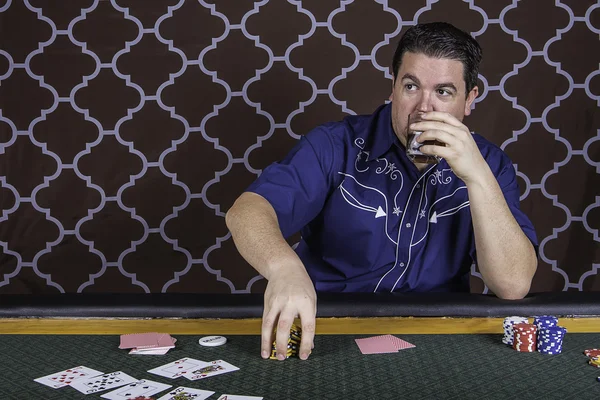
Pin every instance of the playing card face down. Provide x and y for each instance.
(178, 368)
(102, 382)
(191, 393)
(146, 340)
(66, 377)
(382, 344)
(142, 387)
(214, 368)
(399, 343)
(150, 351)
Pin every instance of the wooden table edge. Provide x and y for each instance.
(252, 326)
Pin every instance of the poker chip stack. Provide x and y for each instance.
(550, 339)
(594, 355)
(508, 324)
(293, 345)
(544, 335)
(549, 334)
(525, 337)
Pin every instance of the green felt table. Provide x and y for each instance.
(441, 366)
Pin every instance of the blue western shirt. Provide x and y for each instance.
(370, 220)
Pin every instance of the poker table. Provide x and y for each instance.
(458, 351)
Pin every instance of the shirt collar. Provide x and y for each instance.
(381, 134)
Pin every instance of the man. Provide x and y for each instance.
(373, 220)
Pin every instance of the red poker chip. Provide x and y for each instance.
(592, 352)
(525, 347)
(526, 350)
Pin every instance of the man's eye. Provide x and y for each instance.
(443, 92)
(410, 86)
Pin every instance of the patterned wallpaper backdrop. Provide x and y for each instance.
(128, 127)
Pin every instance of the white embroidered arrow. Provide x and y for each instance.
(354, 202)
(433, 218)
(435, 215)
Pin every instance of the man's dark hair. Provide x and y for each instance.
(441, 40)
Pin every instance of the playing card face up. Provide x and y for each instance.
(213, 368)
(195, 394)
(178, 368)
(66, 377)
(142, 388)
(102, 382)
(236, 397)
(382, 344)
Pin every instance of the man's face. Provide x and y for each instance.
(428, 84)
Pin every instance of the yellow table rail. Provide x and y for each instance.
(325, 326)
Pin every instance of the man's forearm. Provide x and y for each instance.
(256, 234)
(505, 256)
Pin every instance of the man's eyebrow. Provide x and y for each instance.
(447, 85)
(411, 77)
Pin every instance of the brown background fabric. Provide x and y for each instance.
(128, 128)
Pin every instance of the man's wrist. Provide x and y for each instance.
(481, 177)
(288, 266)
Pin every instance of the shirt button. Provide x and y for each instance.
(401, 264)
(408, 225)
(418, 186)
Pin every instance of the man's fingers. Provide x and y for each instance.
(441, 136)
(435, 126)
(307, 318)
(442, 116)
(435, 150)
(268, 322)
(286, 318)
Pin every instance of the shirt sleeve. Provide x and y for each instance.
(298, 186)
(507, 180)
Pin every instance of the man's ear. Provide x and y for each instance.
(470, 99)
(392, 94)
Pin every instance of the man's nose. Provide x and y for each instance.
(425, 103)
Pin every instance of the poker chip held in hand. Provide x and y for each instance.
(293, 344)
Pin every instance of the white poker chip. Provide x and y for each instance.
(212, 341)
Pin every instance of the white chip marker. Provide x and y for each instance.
(212, 341)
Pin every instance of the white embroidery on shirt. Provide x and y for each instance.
(389, 169)
(436, 215)
(380, 210)
(441, 177)
(358, 160)
(400, 229)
